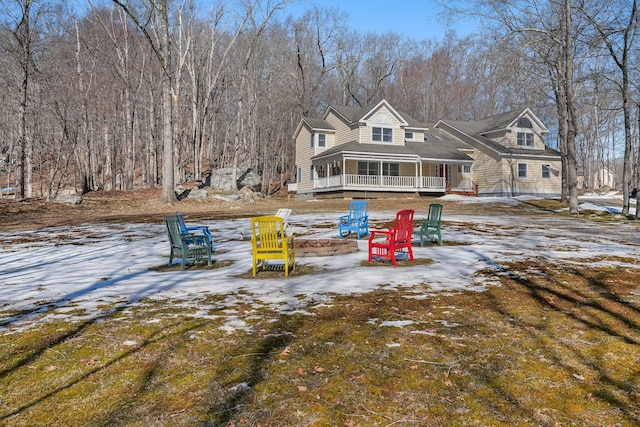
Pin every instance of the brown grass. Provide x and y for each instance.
(553, 345)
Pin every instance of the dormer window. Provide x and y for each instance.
(523, 122)
(322, 140)
(380, 134)
(525, 132)
(408, 136)
(525, 139)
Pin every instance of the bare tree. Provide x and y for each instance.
(617, 31)
(25, 16)
(153, 21)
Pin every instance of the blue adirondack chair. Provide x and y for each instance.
(195, 229)
(356, 221)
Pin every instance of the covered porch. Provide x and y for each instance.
(385, 173)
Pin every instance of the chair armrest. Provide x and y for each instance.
(288, 241)
(372, 233)
(344, 218)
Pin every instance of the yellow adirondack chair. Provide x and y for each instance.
(269, 242)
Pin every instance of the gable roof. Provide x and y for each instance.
(476, 130)
(314, 124)
(357, 114)
(496, 123)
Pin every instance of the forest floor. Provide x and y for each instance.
(551, 344)
(145, 206)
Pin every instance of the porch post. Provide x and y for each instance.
(343, 175)
(419, 171)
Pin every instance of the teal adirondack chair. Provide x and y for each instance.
(186, 245)
(357, 220)
(430, 228)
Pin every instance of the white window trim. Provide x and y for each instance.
(525, 132)
(548, 171)
(526, 171)
(322, 140)
(382, 134)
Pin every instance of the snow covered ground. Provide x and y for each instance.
(55, 272)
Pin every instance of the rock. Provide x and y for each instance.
(197, 193)
(70, 199)
(247, 195)
(220, 179)
(231, 197)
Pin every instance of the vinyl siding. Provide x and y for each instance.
(343, 133)
(394, 123)
(533, 184)
(487, 174)
(303, 159)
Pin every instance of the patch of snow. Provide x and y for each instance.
(87, 268)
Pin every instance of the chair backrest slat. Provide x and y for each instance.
(267, 232)
(358, 209)
(403, 226)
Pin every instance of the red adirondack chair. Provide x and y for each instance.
(385, 244)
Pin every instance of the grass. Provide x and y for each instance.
(551, 346)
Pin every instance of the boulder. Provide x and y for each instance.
(220, 179)
(197, 193)
(247, 194)
(70, 199)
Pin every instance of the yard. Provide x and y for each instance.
(524, 317)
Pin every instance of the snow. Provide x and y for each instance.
(59, 272)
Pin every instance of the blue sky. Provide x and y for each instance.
(418, 19)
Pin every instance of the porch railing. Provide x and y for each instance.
(382, 182)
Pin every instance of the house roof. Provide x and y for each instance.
(356, 114)
(318, 123)
(438, 146)
(478, 128)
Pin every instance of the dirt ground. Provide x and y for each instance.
(145, 206)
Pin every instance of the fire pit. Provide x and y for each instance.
(324, 247)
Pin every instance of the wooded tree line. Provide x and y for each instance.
(125, 94)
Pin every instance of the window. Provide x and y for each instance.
(311, 177)
(322, 140)
(381, 134)
(368, 168)
(391, 169)
(311, 140)
(522, 170)
(525, 138)
(299, 175)
(408, 135)
(523, 122)
(546, 171)
(373, 168)
(464, 168)
(321, 171)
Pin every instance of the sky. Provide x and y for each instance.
(417, 19)
(55, 273)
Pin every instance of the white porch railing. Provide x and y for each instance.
(433, 182)
(382, 182)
